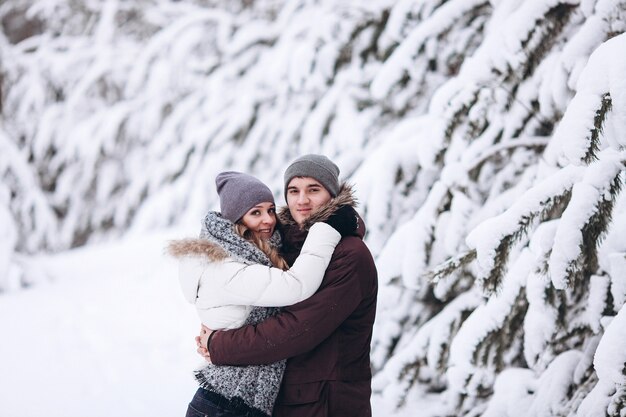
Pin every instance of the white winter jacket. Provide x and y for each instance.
(224, 289)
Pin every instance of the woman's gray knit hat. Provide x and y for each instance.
(315, 166)
(240, 192)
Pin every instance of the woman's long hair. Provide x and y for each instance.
(266, 248)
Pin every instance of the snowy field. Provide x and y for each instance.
(109, 335)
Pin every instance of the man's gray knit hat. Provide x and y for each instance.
(240, 192)
(315, 166)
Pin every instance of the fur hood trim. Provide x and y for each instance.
(345, 197)
(200, 248)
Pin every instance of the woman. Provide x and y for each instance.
(231, 275)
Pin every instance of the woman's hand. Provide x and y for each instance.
(202, 341)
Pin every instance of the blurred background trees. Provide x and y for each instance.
(485, 138)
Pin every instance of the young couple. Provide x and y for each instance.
(310, 357)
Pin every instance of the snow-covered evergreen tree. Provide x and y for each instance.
(485, 138)
(531, 203)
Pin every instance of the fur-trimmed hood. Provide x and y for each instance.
(345, 197)
(200, 248)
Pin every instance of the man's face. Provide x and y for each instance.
(305, 195)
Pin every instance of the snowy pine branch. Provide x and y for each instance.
(446, 268)
(585, 219)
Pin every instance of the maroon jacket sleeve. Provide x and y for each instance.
(300, 327)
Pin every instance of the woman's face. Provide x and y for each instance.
(261, 220)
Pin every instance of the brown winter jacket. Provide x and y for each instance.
(326, 337)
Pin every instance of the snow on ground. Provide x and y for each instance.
(109, 334)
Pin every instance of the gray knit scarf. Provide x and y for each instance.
(248, 390)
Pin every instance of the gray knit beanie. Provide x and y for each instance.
(315, 166)
(240, 192)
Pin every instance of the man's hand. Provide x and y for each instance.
(202, 341)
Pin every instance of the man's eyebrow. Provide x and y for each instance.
(313, 184)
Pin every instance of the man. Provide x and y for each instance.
(326, 337)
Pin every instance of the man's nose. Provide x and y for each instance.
(303, 198)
